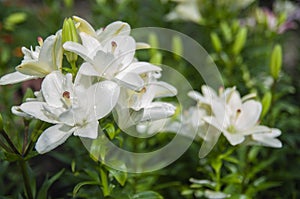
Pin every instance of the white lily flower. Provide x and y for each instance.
(117, 28)
(234, 118)
(138, 106)
(39, 62)
(71, 107)
(186, 10)
(112, 61)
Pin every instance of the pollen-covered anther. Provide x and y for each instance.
(113, 46)
(66, 95)
(143, 90)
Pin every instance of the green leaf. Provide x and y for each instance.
(81, 184)
(111, 131)
(276, 61)
(120, 176)
(217, 164)
(104, 182)
(147, 195)
(28, 94)
(47, 184)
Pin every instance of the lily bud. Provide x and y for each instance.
(177, 47)
(276, 61)
(69, 33)
(266, 103)
(216, 42)
(240, 41)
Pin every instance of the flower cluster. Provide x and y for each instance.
(226, 113)
(73, 98)
(236, 117)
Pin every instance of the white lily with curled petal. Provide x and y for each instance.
(238, 120)
(234, 118)
(39, 62)
(73, 108)
(139, 106)
(113, 61)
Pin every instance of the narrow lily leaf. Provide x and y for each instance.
(47, 184)
(147, 195)
(120, 176)
(81, 184)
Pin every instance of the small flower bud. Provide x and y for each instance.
(216, 41)
(177, 47)
(240, 41)
(276, 61)
(69, 33)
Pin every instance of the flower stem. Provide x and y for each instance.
(25, 138)
(9, 142)
(23, 166)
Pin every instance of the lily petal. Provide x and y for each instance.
(130, 80)
(38, 69)
(52, 88)
(141, 67)
(103, 98)
(249, 115)
(158, 110)
(15, 77)
(84, 26)
(234, 139)
(37, 110)
(112, 30)
(88, 70)
(89, 130)
(53, 137)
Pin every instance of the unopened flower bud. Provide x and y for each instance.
(69, 33)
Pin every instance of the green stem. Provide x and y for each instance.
(25, 138)
(10, 143)
(104, 181)
(23, 165)
(74, 68)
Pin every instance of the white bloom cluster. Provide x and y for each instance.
(235, 117)
(109, 78)
(223, 113)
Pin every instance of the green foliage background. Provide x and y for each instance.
(69, 172)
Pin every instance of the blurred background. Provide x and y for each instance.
(239, 35)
